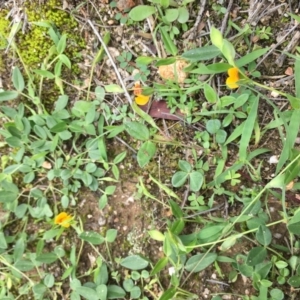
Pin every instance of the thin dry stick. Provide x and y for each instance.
(191, 34)
(224, 22)
(112, 62)
(280, 42)
(293, 42)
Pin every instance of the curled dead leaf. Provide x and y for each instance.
(289, 186)
(174, 71)
(46, 165)
(289, 71)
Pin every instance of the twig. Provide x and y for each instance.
(217, 282)
(224, 22)
(124, 143)
(112, 62)
(205, 211)
(293, 42)
(280, 42)
(191, 34)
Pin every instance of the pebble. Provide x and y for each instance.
(101, 221)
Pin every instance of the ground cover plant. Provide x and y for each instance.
(165, 168)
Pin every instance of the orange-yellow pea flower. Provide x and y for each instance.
(141, 99)
(233, 78)
(63, 219)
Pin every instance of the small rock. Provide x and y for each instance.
(125, 4)
(101, 221)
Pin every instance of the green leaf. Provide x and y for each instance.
(210, 94)
(203, 53)
(115, 292)
(145, 116)
(44, 73)
(29, 177)
(144, 60)
(120, 157)
(13, 141)
(159, 265)
(295, 102)
(277, 294)
(9, 95)
(256, 256)
(8, 196)
(171, 14)
(221, 136)
(196, 181)
(49, 280)
(168, 294)
(165, 3)
(213, 125)
(92, 237)
(297, 77)
(291, 135)
(87, 292)
(24, 265)
(61, 102)
(134, 262)
(59, 127)
(156, 235)
(99, 93)
(216, 37)
(248, 58)
(146, 153)
(176, 209)
(228, 51)
(61, 45)
(199, 262)
(137, 130)
(179, 178)
(65, 60)
(3, 243)
(294, 281)
(47, 258)
(141, 12)
(263, 235)
(248, 129)
(111, 235)
(184, 166)
(294, 224)
(183, 15)
(113, 88)
(39, 289)
(18, 80)
(211, 69)
(165, 61)
(168, 42)
(135, 292)
(177, 226)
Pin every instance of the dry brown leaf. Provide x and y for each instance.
(289, 71)
(46, 165)
(174, 71)
(125, 4)
(289, 186)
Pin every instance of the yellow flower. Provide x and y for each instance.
(233, 78)
(141, 99)
(63, 219)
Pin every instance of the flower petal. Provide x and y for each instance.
(142, 99)
(234, 73)
(63, 219)
(231, 83)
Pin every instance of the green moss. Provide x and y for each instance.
(4, 26)
(35, 43)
